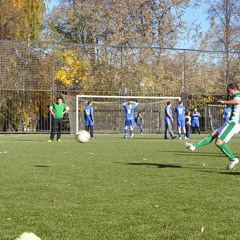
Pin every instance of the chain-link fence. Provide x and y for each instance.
(33, 74)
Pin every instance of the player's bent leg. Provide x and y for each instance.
(205, 141)
(226, 150)
(228, 130)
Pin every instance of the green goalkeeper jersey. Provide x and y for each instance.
(59, 109)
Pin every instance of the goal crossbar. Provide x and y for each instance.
(127, 97)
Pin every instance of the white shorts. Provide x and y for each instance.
(228, 130)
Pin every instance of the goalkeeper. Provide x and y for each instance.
(139, 122)
(57, 109)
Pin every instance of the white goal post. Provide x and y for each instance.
(153, 107)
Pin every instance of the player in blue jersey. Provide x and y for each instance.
(129, 122)
(89, 119)
(227, 113)
(168, 119)
(180, 111)
(195, 121)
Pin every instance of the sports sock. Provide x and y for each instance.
(141, 131)
(185, 135)
(204, 142)
(125, 131)
(226, 150)
(179, 135)
(131, 132)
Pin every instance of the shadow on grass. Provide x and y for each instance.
(195, 153)
(42, 166)
(155, 164)
(29, 140)
(145, 139)
(231, 173)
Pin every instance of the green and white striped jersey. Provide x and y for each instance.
(235, 115)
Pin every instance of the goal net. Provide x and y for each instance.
(109, 114)
(213, 116)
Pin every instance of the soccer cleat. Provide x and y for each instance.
(141, 133)
(125, 136)
(186, 138)
(179, 138)
(232, 164)
(49, 140)
(190, 146)
(59, 140)
(131, 136)
(172, 137)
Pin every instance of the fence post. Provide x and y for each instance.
(52, 93)
(121, 83)
(184, 92)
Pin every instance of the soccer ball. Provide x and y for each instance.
(83, 136)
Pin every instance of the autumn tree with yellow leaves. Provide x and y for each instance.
(21, 19)
(71, 71)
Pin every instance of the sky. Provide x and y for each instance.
(191, 15)
(200, 17)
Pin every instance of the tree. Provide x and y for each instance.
(126, 22)
(73, 71)
(21, 19)
(224, 34)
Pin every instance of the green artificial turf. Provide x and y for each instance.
(117, 189)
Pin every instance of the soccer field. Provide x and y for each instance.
(116, 189)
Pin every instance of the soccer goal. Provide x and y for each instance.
(213, 116)
(109, 114)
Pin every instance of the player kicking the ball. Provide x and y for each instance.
(129, 122)
(227, 130)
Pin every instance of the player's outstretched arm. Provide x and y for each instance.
(235, 101)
